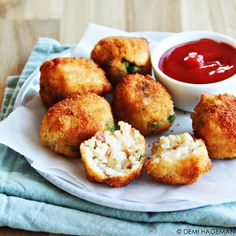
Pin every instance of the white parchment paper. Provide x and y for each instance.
(20, 131)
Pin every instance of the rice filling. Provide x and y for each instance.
(114, 153)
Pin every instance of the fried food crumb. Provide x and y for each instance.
(178, 159)
(214, 121)
(143, 103)
(120, 56)
(66, 76)
(75, 119)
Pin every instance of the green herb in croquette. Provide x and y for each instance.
(143, 103)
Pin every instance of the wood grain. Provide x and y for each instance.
(213, 15)
(131, 15)
(145, 15)
(23, 21)
(31, 9)
(12, 232)
(77, 16)
(17, 38)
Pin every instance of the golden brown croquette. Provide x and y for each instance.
(214, 121)
(120, 56)
(178, 159)
(75, 119)
(143, 103)
(62, 77)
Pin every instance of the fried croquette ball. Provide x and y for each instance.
(214, 121)
(75, 119)
(178, 159)
(115, 158)
(62, 77)
(120, 56)
(143, 103)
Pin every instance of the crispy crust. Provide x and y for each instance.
(214, 120)
(73, 120)
(186, 171)
(62, 77)
(109, 53)
(141, 101)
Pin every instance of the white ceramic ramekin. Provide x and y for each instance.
(186, 95)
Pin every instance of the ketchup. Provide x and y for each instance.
(199, 62)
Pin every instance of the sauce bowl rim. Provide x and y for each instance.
(155, 56)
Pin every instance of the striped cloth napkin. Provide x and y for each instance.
(27, 201)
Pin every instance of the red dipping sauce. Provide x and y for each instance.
(199, 62)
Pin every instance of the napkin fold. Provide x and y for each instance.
(28, 201)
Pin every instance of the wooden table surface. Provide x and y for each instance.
(23, 21)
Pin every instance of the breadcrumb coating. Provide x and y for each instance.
(75, 119)
(143, 103)
(214, 121)
(178, 159)
(120, 56)
(63, 77)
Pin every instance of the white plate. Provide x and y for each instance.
(182, 123)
